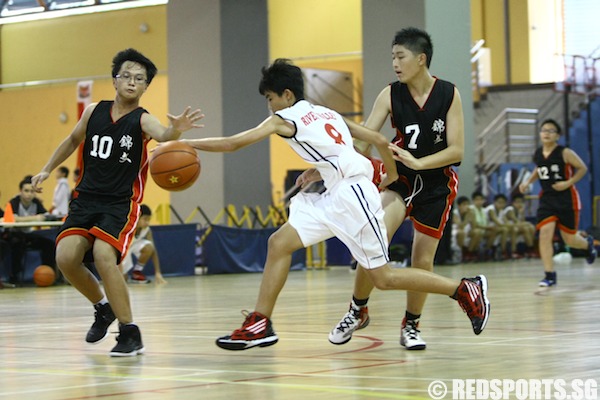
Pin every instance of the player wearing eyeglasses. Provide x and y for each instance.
(103, 216)
(558, 169)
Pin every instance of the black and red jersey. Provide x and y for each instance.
(421, 130)
(114, 155)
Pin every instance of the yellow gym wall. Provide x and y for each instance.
(519, 42)
(81, 45)
(477, 31)
(313, 33)
(78, 46)
(487, 22)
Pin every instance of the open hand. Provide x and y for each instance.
(186, 120)
(159, 280)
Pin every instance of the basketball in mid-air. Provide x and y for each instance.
(174, 166)
(44, 276)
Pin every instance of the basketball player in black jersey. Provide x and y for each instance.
(558, 169)
(427, 115)
(103, 215)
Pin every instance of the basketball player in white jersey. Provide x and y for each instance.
(350, 208)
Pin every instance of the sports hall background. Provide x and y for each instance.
(209, 54)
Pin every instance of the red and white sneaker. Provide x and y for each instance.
(139, 277)
(256, 330)
(472, 297)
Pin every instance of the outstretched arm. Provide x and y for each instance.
(178, 124)
(65, 149)
(269, 126)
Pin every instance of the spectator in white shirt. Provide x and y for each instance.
(62, 193)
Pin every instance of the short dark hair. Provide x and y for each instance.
(518, 196)
(462, 200)
(26, 181)
(553, 122)
(499, 196)
(64, 170)
(416, 40)
(135, 56)
(281, 75)
(145, 210)
(477, 193)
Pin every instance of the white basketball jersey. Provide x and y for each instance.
(500, 215)
(323, 139)
(143, 233)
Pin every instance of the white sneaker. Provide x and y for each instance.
(410, 336)
(356, 318)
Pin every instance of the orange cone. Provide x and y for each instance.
(9, 216)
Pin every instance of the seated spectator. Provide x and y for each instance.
(62, 193)
(466, 237)
(504, 229)
(143, 248)
(23, 208)
(482, 223)
(524, 231)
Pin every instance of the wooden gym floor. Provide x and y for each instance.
(531, 334)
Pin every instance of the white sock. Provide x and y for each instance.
(102, 302)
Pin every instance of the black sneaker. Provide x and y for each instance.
(129, 342)
(99, 330)
(591, 257)
(549, 279)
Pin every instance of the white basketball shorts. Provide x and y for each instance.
(351, 211)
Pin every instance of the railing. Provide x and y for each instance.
(496, 144)
(581, 74)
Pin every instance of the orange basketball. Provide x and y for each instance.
(44, 276)
(174, 166)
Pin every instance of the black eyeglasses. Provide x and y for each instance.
(137, 79)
